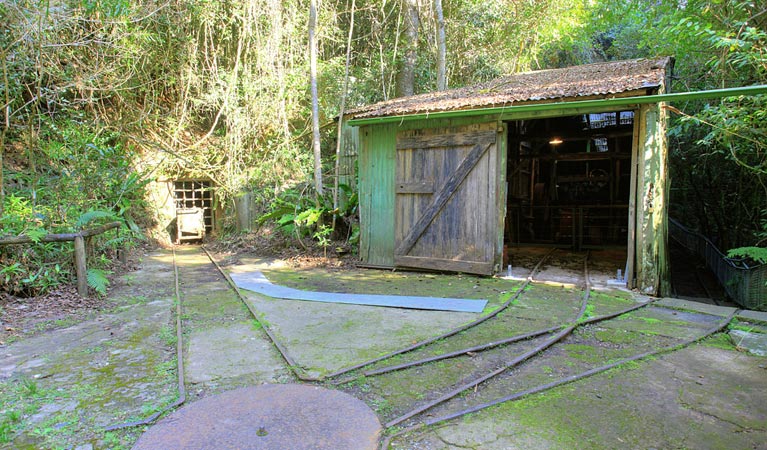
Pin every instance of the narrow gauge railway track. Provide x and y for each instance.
(181, 384)
(550, 335)
(426, 342)
(504, 338)
(303, 376)
(437, 419)
(503, 341)
(559, 331)
(556, 333)
(558, 336)
(291, 363)
(521, 377)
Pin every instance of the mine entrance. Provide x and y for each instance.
(194, 209)
(569, 180)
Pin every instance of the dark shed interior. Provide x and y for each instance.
(569, 180)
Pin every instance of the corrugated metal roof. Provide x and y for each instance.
(601, 79)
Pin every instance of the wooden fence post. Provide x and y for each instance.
(80, 266)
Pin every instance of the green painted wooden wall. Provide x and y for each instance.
(347, 158)
(377, 166)
(376, 194)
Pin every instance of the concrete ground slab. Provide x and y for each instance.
(679, 303)
(268, 417)
(756, 316)
(755, 343)
(87, 376)
(323, 337)
(230, 351)
(698, 397)
(664, 322)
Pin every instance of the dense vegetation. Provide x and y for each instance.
(101, 96)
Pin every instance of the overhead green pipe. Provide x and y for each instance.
(596, 104)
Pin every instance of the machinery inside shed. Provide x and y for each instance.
(569, 180)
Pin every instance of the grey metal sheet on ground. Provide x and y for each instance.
(256, 281)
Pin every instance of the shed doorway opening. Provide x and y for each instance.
(194, 209)
(569, 181)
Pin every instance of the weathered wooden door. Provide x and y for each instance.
(446, 209)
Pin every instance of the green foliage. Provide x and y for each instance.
(66, 169)
(98, 281)
(104, 95)
(718, 159)
(322, 237)
(296, 213)
(757, 254)
(93, 215)
(20, 218)
(26, 270)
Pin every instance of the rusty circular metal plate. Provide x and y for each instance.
(272, 416)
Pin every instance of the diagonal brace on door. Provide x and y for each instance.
(441, 196)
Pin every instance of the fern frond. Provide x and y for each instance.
(98, 281)
(92, 215)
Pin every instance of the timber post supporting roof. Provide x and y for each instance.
(600, 80)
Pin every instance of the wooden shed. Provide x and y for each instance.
(572, 157)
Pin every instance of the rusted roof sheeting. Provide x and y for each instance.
(602, 79)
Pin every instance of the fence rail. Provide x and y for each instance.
(744, 283)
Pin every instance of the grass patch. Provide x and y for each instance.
(583, 352)
(615, 336)
(168, 336)
(721, 341)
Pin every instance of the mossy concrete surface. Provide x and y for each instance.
(231, 351)
(324, 338)
(225, 346)
(699, 397)
(678, 303)
(61, 388)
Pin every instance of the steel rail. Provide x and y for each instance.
(572, 378)
(297, 371)
(509, 340)
(514, 362)
(179, 364)
(447, 334)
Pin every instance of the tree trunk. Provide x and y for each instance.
(441, 49)
(341, 110)
(406, 74)
(275, 46)
(2, 182)
(6, 124)
(315, 101)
